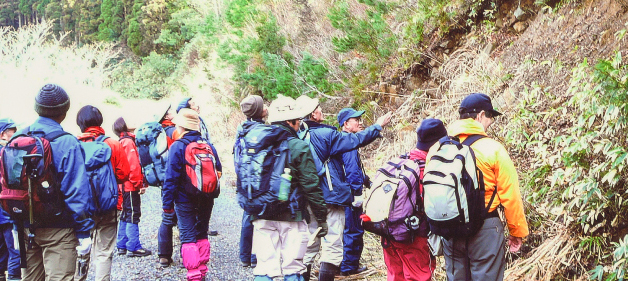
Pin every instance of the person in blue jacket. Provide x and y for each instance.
(189, 103)
(9, 255)
(327, 145)
(350, 121)
(192, 212)
(58, 242)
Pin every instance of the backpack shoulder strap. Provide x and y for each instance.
(472, 138)
(102, 138)
(55, 134)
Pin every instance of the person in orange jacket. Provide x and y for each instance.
(89, 119)
(128, 230)
(482, 257)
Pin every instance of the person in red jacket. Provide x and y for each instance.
(128, 231)
(414, 261)
(89, 119)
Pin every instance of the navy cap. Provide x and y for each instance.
(429, 132)
(347, 113)
(477, 102)
(5, 124)
(185, 103)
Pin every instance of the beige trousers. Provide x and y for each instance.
(279, 246)
(52, 256)
(104, 244)
(332, 242)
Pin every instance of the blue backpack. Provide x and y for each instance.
(152, 147)
(102, 179)
(261, 153)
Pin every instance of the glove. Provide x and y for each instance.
(357, 201)
(323, 231)
(169, 211)
(85, 245)
(142, 190)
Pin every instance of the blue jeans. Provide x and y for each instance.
(353, 241)
(128, 236)
(291, 277)
(246, 240)
(193, 221)
(9, 256)
(164, 235)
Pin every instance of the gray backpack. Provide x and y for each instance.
(454, 189)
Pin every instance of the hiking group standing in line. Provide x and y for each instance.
(301, 184)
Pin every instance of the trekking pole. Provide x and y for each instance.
(31, 170)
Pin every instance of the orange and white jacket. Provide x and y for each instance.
(499, 172)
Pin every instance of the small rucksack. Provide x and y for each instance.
(152, 147)
(393, 203)
(27, 160)
(454, 189)
(102, 179)
(200, 168)
(264, 156)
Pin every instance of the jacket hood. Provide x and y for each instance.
(466, 127)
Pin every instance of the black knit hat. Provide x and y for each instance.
(52, 101)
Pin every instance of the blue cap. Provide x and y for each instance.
(477, 102)
(185, 103)
(347, 113)
(5, 124)
(429, 132)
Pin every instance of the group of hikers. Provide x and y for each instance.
(69, 200)
(301, 184)
(444, 197)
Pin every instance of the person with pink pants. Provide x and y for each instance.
(193, 212)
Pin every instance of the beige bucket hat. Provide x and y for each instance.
(187, 118)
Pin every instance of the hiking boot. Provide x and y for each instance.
(139, 253)
(361, 269)
(253, 264)
(245, 263)
(213, 233)
(165, 262)
(121, 252)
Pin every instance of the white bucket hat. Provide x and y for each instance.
(307, 104)
(284, 108)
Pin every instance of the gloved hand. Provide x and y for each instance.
(142, 190)
(323, 231)
(357, 201)
(169, 211)
(85, 245)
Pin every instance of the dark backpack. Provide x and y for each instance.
(102, 179)
(201, 169)
(393, 202)
(152, 147)
(18, 171)
(454, 189)
(263, 158)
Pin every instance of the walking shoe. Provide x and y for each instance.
(165, 262)
(253, 264)
(361, 269)
(121, 252)
(14, 278)
(139, 253)
(213, 233)
(245, 263)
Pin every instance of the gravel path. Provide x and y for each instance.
(225, 262)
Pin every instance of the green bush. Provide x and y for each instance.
(151, 79)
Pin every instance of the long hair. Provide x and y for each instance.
(119, 126)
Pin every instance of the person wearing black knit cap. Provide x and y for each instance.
(53, 253)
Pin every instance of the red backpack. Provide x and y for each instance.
(200, 168)
(27, 161)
